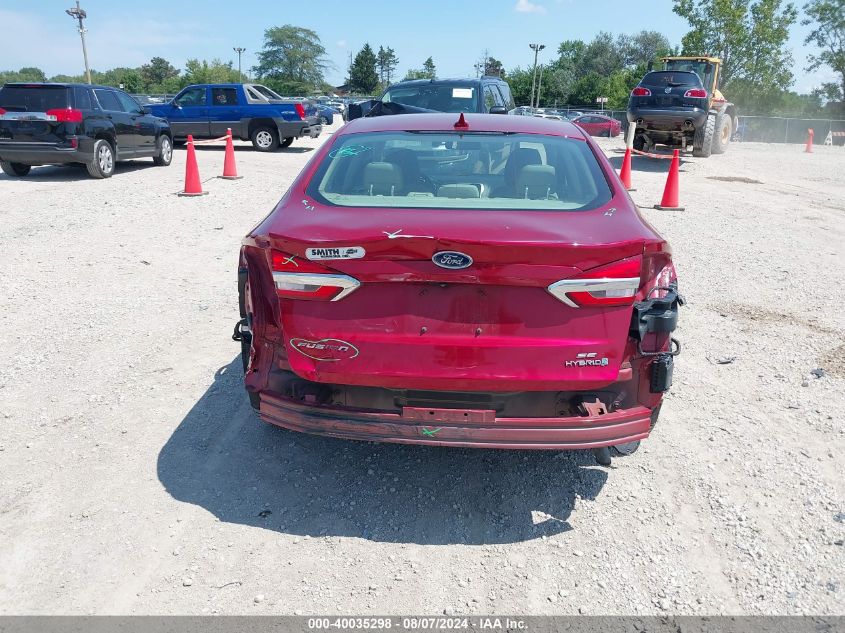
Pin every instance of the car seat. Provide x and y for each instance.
(409, 168)
(518, 159)
(382, 179)
(536, 182)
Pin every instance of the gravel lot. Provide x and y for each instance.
(135, 478)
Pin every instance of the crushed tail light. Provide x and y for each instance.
(297, 278)
(607, 286)
(695, 93)
(639, 91)
(65, 115)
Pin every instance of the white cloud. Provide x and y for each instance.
(526, 6)
(341, 43)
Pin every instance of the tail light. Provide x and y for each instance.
(639, 91)
(2, 112)
(298, 278)
(66, 115)
(300, 110)
(695, 93)
(603, 287)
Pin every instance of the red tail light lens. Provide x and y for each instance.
(696, 93)
(66, 115)
(300, 110)
(639, 91)
(298, 278)
(607, 286)
(2, 112)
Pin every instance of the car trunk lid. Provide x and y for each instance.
(35, 114)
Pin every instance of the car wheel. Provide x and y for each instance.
(628, 448)
(702, 142)
(165, 151)
(722, 134)
(286, 142)
(102, 164)
(324, 120)
(639, 143)
(264, 139)
(15, 170)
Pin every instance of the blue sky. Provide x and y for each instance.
(453, 32)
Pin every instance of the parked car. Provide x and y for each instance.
(481, 94)
(252, 111)
(325, 113)
(471, 280)
(61, 123)
(598, 125)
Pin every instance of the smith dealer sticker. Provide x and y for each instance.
(343, 252)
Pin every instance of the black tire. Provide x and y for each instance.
(722, 133)
(265, 139)
(102, 164)
(639, 143)
(702, 142)
(15, 170)
(628, 448)
(286, 142)
(165, 151)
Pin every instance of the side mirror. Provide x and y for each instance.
(358, 110)
(497, 109)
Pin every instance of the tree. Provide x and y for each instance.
(386, 61)
(493, 67)
(203, 72)
(156, 73)
(429, 69)
(293, 57)
(748, 35)
(29, 73)
(363, 78)
(828, 19)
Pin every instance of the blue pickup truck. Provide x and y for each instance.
(254, 112)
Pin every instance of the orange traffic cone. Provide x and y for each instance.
(670, 192)
(625, 173)
(808, 149)
(230, 171)
(193, 187)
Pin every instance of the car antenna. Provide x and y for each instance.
(461, 123)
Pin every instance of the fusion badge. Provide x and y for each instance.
(326, 349)
(343, 252)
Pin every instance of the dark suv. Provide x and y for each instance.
(484, 94)
(49, 124)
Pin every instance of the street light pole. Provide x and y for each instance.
(239, 50)
(539, 86)
(536, 48)
(79, 14)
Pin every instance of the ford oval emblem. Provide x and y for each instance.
(452, 259)
(667, 90)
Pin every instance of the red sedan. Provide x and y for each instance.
(598, 125)
(477, 281)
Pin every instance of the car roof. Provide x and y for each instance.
(61, 84)
(446, 82)
(445, 122)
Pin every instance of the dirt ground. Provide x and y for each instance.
(134, 477)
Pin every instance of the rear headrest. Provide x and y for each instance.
(382, 179)
(535, 181)
(458, 191)
(518, 159)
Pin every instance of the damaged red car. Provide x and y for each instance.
(474, 281)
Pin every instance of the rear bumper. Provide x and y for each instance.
(667, 119)
(298, 129)
(42, 154)
(559, 433)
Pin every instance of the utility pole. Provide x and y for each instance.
(539, 86)
(536, 48)
(239, 50)
(78, 13)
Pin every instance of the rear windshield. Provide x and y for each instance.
(433, 170)
(449, 98)
(33, 98)
(671, 79)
